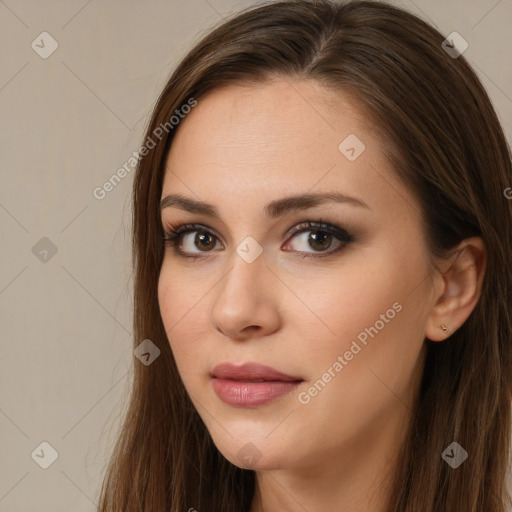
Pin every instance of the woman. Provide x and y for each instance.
(322, 258)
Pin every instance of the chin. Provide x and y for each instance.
(252, 453)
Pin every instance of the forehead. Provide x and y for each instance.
(277, 123)
(279, 138)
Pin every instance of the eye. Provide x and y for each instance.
(179, 239)
(321, 237)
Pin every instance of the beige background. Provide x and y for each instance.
(68, 122)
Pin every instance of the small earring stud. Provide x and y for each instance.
(445, 329)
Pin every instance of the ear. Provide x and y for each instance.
(458, 286)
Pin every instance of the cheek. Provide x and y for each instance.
(339, 306)
(373, 312)
(178, 297)
(167, 287)
(390, 334)
(182, 310)
(379, 353)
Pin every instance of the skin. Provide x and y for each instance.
(240, 148)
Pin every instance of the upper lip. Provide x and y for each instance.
(249, 371)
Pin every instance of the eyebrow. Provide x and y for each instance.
(274, 209)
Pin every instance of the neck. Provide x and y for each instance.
(356, 477)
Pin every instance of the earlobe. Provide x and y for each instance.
(460, 288)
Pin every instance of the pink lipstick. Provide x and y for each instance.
(251, 384)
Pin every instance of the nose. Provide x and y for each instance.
(246, 300)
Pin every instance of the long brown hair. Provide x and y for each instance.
(446, 143)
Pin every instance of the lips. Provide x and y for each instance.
(251, 384)
(251, 372)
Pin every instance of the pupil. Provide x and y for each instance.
(322, 237)
(201, 237)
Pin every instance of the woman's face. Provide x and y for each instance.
(341, 308)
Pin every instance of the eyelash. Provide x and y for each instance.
(172, 236)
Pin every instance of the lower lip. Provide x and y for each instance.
(251, 394)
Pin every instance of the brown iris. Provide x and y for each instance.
(319, 237)
(203, 236)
